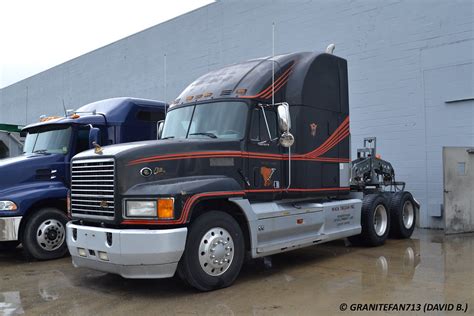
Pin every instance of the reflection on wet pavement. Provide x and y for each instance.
(429, 268)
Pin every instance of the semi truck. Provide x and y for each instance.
(253, 160)
(34, 185)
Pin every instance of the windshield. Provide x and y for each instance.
(50, 141)
(208, 120)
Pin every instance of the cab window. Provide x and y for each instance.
(258, 128)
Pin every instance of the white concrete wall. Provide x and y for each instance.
(406, 58)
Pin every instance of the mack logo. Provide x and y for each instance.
(97, 149)
(104, 204)
(146, 172)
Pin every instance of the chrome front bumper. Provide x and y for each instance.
(133, 253)
(9, 228)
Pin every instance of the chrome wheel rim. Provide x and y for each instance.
(408, 214)
(380, 220)
(216, 251)
(50, 235)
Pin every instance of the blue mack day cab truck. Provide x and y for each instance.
(34, 185)
(253, 160)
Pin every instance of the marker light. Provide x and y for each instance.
(166, 208)
(8, 206)
(103, 256)
(82, 252)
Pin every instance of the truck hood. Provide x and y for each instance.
(170, 159)
(29, 168)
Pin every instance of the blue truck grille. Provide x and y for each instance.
(92, 188)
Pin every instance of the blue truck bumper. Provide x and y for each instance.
(131, 253)
(9, 228)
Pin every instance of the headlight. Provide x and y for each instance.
(161, 208)
(141, 208)
(8, 206)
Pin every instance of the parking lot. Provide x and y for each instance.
(429, 268)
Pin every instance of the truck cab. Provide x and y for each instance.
(253, 160)
(34, 186)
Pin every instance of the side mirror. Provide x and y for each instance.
(159, 129)
(284, 122)
(94, 136)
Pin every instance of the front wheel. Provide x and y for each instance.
(214, 252)
(44, 236)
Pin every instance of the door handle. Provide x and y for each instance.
(446, 191)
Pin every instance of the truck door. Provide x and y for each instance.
(265, 164)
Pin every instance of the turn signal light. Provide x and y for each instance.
(165, 208)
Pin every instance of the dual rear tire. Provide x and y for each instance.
(375, 221)
(384, 215)
(403, 215)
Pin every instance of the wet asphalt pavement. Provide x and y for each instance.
(429, 268)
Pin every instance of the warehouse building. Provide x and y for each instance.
(410, 72)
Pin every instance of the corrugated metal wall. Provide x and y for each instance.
(407, 61)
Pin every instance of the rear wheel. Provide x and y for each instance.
(375, 221)
(44, 236)
(214, 252)
(403, 215)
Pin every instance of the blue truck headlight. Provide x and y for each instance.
(141, 209)
(8, 206)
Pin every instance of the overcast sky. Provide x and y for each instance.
(38, 34)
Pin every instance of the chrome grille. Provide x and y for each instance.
(92, 188)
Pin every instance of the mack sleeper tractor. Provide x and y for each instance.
(253, 160)
(34, 185)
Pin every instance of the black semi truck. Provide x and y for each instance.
(253, 160)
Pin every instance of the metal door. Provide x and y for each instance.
(458, 166)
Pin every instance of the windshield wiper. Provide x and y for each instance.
(211, 135)
(167, 137)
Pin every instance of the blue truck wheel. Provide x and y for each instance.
(44, 236)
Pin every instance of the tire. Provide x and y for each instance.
(403, 215)
(213, 233)
(44, 236)
(8, 245)
(374, 233)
